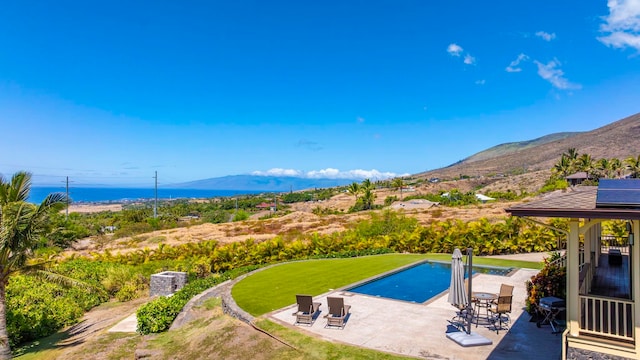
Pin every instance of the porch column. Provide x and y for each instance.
(598, 242)
(573, 277)
(634, 257)
(588, 241)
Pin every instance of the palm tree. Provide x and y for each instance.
(563, 167)
(603, 168)
(633, 165)
(354, 189)
(572, 154)
(21, 226)
(616, 168)
(585, 163)
(367, 184)
(368, 197)
(398, 183)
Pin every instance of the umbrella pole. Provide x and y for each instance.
(469, 287)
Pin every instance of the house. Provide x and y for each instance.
(270, 206)
(603, 286)
(578, 178)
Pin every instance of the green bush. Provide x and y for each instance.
(241, 215)
(554, 184)
(37, 308)
(550, 281)
(158, 315)
(389, 200)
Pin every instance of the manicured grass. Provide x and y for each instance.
(276, 287)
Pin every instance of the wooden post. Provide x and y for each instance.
(573, 277)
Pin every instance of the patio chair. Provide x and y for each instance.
(307, 310)
(463, 317)
(500, 311)
(338, 312)
(506, 290)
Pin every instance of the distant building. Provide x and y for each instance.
(578, 178)
(270, 206)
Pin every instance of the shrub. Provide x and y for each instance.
(158, 315)
(241, 215)
(554, 184)
(389, 200)
(550, 281)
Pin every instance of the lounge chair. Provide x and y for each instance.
(500, 311)
(338, 312)
(307, 310)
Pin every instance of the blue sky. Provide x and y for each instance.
(107, 92)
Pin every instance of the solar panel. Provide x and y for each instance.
(618, 193)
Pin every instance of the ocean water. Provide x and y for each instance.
(111, 194)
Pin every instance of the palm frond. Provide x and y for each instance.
(66, 281)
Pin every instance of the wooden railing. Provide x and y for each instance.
(607, 317)
(623, 249)
(562, 261)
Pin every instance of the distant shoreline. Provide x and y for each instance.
(110, 195)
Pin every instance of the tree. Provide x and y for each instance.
(398, 183)
(571, 154)
(603, 168)
(368, 197)
(563, 167)
(354, 189)
(633, 165)
(617, 169)
(367, 184)
(585, 163)
(21, 226)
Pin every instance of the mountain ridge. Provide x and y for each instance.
(619, 139)
(260, 182)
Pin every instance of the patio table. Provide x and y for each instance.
(482, 300)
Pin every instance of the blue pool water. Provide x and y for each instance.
(418, 283)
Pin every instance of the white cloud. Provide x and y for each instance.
(546, 36)
(553, 74)
(330, 173)
(457, 51)
(622, 26)
(277, 172)
(469, 60)
(513, 66)
(360, 119)
(481, 82)
(454, 49)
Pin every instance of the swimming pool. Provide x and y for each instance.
(418, 283)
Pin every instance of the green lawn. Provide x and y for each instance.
(276, 287)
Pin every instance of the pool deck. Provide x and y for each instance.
(419, 330)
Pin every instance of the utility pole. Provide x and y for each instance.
(67, 211)
(155, 204)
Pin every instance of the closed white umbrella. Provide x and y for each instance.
(457, 292)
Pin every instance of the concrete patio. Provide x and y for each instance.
(419, 330)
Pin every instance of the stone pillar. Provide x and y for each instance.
(167, 282)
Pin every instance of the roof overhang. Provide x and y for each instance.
(577, 203)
